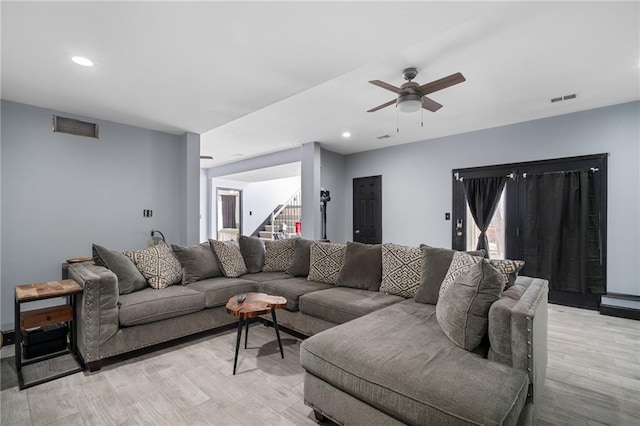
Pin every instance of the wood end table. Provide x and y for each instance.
(43, 317)
(254, 305)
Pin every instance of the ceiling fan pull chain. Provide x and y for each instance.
(421, 117)
(397, 121)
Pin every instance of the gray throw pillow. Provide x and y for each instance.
(129, 277)
(463, 309)
(362, 267)
(252, 249)
(435, 265)
(198, 262)
(301, 258)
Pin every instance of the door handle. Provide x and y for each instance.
(357, 231)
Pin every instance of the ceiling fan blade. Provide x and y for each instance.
(430, 104)
(382, 106)
(443, 83)
(206, 157)
(387, 86)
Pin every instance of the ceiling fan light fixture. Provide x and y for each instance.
(410, 102)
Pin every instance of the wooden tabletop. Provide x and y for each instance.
(36, 291)
(254, 305)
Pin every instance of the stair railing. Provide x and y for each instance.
(287, 215)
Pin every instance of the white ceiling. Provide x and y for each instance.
(260, 77)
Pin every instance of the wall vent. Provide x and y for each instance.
(74, 127)
(383, 137)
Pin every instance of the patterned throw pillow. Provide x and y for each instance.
(400, 270)
(279, 255)
(462, 261)
(229, 257)
(158, 265)
(326, 261)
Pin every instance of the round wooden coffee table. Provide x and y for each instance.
(255, 304)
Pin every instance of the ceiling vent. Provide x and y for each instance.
(74, 127)
(383, 137)
(563, 98)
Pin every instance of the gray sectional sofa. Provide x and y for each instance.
(378, 354)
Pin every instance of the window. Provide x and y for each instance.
(496, 232)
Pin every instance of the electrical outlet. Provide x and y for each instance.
(147, 213)
(447, 216)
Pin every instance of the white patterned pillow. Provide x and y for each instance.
(508, 268)
(400, 270)
(279, 255)
(326, 261)
(230, 258)
(462, 261)
(158, 265)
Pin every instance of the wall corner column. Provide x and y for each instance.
(310, 177)
(191, 224)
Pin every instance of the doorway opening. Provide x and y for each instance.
(229, 214)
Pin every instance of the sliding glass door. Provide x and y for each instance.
(552, 215)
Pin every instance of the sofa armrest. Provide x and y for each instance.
(97, 308)
(518, 331)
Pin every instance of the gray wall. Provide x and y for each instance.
(332, 178)
(416, 178)
(61, 193)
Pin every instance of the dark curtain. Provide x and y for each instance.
(561, 231)
(228, 211)
(483, 196)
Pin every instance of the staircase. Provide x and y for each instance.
(286, 214)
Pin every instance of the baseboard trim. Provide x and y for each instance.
(620, 312)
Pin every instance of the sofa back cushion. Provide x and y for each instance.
(158, 265)
(301, 258)
(198, 262)
(229, 257)
(279, 255)
(400, 270)
(253, 251)
(129, 278)
(362, 267)
(463, 309)
(434, 267)
(326, 261)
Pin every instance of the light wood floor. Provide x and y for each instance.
(593, 378)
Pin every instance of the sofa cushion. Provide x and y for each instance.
(362, 267)
(158, 265)
(400, 270)
(218, 291)
(150, 305)
(252, 249)
(342, 304)
(301, 258)
(425, 377)
(229, 257)
(261, 277)
(326, 261)
(198, 262)
(462, 261)
(434, 267)
(291, 288)
(129, 278)
(279, 255)
(463, 309)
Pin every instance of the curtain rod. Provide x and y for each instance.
(514, 175)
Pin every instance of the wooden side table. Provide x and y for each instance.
(255, 304)
(58, 364)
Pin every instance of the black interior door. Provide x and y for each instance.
(367, 210)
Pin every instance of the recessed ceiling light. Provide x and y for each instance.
(80, 60)
(346, 135)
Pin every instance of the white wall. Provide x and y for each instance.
(417, 188)
(61, 193)
(332, 178)
(258, 198)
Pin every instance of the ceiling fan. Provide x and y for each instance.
(412, 96)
